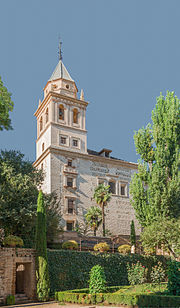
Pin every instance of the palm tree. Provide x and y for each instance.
(102, 197)
(94, 218)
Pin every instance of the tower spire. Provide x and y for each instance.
(60, 50)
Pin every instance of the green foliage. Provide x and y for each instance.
(174, 278)
(119, 296)
(2, 235)
(72, 245)
(136, 273)
(97, 281)
(102, 196)
(42, 274)
(6, 106)
(158, 274)
(69, 269)
(163, 234)
(124, 249)
(94, 218)
(155, 189)
(102, 247)
(10, 300)
(13, 241)
(133, 234)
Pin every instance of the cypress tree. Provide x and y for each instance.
(133, 234)
(42, 273)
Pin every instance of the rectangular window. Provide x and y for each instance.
(69, 225)
(112, 187)
(69, 163)
(70, 182)
(75, 143)
(123, 189)
(63, 140)
(70, 206)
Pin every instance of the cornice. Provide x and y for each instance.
(52, 94)
(51, 81)
(100, 159)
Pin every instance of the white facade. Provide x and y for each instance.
(70, 168)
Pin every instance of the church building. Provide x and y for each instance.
(71, 169)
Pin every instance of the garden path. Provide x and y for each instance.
(55, 305)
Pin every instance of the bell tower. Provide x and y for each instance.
(61, 116)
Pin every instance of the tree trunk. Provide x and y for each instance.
(103, 220)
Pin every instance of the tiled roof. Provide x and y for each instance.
(60, 72)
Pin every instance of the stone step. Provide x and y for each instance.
(21, 298)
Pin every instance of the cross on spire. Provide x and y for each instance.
(60, 50)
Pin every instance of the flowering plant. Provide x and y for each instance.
(136, 273)
(158, 273)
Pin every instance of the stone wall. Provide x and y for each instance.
(10, 259)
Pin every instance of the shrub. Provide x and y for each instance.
(13, 241)
(158, 273)
(174, 277)
(97, 281)
(124, 249)
(72, 245)
(136, 273)
(102, 247)
(1, 235)
(149, 251)
(10, 300)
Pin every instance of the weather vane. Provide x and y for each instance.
(60, 50)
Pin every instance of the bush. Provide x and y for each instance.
(13, 241)
(10, 300)
(174, 278)
(97, 281)
(136, 273)
(72, 245)
(124, 249)
(158, 273)
(102, 247)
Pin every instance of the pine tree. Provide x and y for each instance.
(155, 189)
(133, 234)
(41, 251)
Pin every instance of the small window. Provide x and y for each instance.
(61, 112)
(112, 187)
(43, 147)
(69, 163)
(69, 225)
(70, 182)
(42, 166)
(75, 143)
(70, 206)
(47, 115)
(67, 86)
(75, 116)
(63, 140)
(41, 124)
(123, 189)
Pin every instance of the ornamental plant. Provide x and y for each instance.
(97, 281)
(10, 300)
(136, 273)
(42, 273)
(13, 241)
(101, 247)
(125, 249)
(133, 234)
(174, 278)
(72, 245)
(158, 274)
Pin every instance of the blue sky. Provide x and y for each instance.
(123, 53)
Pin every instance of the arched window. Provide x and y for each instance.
(43, 147)
(75, 115)
(61, 112)
(41, 124)
(47, 115)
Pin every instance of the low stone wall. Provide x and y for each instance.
(10, 259)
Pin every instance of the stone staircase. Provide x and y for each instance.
(21, 298)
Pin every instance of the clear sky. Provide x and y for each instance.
(123, 53)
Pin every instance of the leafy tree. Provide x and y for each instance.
(163, 234)
(42, 273)
(155, 189)
(97, 281)
(94, 218)
(133, 234)
(102, 196)
(6, 105)
(18, 197)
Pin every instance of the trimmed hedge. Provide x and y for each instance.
(69, 270)
(131, 299)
